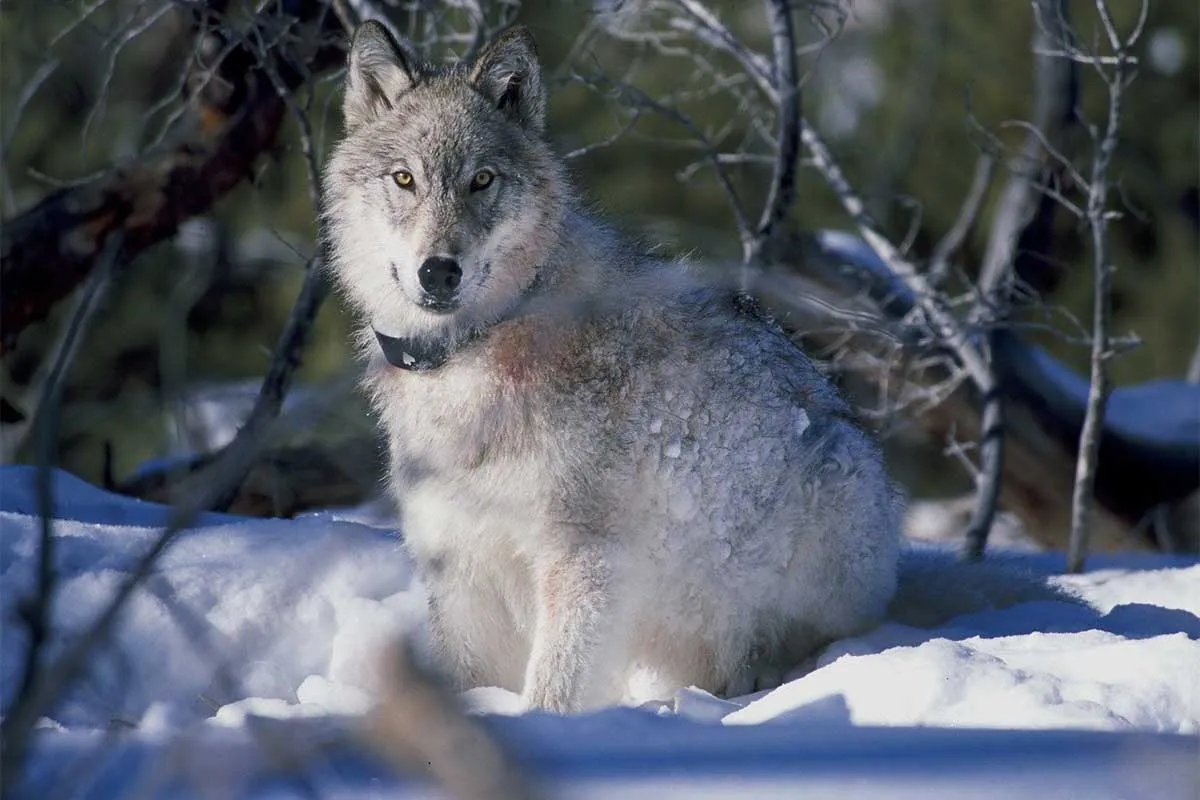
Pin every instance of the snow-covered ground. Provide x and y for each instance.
(253, 623)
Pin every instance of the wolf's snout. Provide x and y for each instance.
(440, 278)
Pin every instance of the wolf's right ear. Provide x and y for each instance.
(381, 69)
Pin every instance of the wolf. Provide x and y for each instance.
(606, 465)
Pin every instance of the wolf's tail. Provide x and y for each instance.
(935, 587)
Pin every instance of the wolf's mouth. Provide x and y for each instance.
(438, 306)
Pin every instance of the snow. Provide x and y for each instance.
(253, 623)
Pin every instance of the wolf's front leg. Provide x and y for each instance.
(473, 633)
(579, 638)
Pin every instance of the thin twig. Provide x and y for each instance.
(1053, 100)
(1053, 105)
(37, 611)
(640, 100)
(721, 37)
(947, 329)
(312, 294)
(948, 246)
(129, 31)
(31, 87)
(782, 192)
(279, 375)
(45, 424)
(1098, 216)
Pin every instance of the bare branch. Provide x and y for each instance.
(782, 192)
(828, 288)
(939, 262)
(51, 248)
(638, 100)
(1054, 100)
(944, 325)
(39, 77)
(36, 609)
(129, 31)
(313, 292)
(419, 725)
(723, 39)
(1053, 107)
(990, 477)
(1098, 217)
(279, 375)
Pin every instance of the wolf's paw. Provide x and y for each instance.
(757, 676)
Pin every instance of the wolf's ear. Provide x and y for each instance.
(508, 73)
(381, 69)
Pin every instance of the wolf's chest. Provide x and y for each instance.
(470, 468)
(468, 434)
(452, 418)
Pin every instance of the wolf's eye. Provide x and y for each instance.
(482, 179)
(403, 179)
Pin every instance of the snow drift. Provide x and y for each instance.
(249, 623)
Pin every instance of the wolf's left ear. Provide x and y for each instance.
(380, 70)
(508, 73)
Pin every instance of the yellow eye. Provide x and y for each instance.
(482, 179)
(403, 179)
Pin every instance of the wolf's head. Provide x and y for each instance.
(443, 201)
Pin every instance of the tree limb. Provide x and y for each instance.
(36, 610)
(1054, 101)
(1098, 217)
(782, 192)
(50, 249)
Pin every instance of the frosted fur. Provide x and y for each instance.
(621, 469)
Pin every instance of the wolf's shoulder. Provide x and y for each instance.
(668, 318)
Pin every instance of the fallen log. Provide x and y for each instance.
(1150, 448)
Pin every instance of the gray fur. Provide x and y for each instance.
(622, 469)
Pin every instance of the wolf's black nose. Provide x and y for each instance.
(440, 277)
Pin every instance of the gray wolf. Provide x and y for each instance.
(605, 465)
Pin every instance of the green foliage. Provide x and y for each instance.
(173, 320)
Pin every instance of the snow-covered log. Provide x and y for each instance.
(1150, 447)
